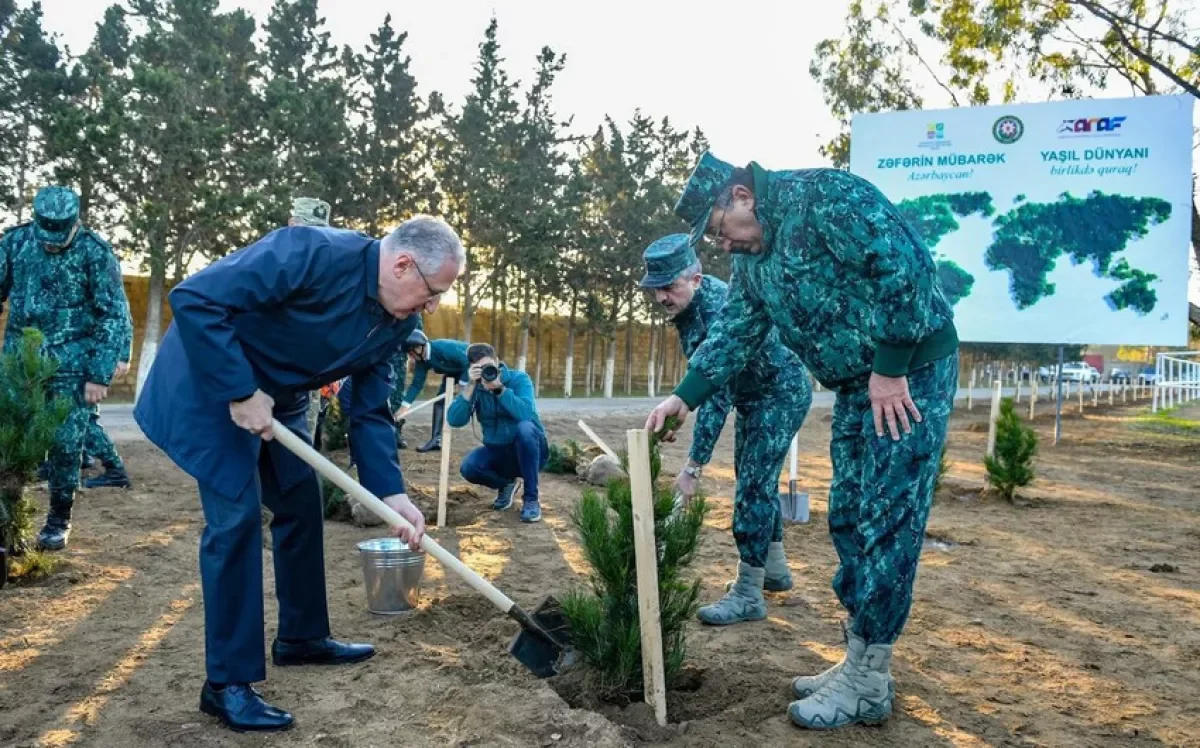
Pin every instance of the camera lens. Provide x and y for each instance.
(490, 373)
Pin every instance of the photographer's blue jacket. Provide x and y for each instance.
(292, 312)
(498, 415)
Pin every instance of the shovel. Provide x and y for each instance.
(543, 645)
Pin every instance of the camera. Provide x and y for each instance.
(489, 373)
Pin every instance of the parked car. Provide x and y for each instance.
(1120, 375)
(1079, 371)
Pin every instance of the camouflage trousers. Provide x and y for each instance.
(879, 500)
(67, 451)
(96, 442)
(762, 435)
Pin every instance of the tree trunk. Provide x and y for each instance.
(651, 361)
(664, 340)
(523, 351)
(468, 307)
(591, 362)
(610, 364)
(23, 169)
(570, 370)
(495, 297)
(675, 364)
(154, 315)
(629, 351)
(501, 342)
(537, 373)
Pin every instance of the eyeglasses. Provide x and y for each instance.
(432, 292)
(716, 237)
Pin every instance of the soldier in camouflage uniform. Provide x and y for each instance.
(827, 260)
(772, 396)
(61, 278)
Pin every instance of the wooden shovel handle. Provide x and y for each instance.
(338, 477)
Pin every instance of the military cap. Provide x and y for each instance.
(55, 211)
(309, 211)
(417, 340)
(665, 259)
(701, 191)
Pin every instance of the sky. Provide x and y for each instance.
(738, 70)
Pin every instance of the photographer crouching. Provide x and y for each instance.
(514, 447)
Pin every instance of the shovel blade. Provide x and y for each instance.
(544, 644)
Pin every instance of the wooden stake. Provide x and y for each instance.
(991, 445)
(645, 549)
(1095, 394)
(444, 479)
(1033, 396)
(1081, 397)
(1112, 392)
(598, 441)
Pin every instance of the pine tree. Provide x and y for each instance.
(1016, 445)
(28, 423)
(604, 620)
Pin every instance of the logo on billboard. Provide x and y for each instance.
(1090, 127)
(1008, 129)
(935, 136)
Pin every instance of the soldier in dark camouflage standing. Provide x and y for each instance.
(772, 396)
(828, 261)
(62, 279)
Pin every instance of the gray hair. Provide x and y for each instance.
(430, 241)
(694, 269)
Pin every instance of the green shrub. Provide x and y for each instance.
(603, 617)
(1016, 445)
(565, 458)
(29, 420)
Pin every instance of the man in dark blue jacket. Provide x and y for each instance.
(446, 357)
(514, 443)
(252, 335)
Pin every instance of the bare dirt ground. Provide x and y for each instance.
(1071, 619)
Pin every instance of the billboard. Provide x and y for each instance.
(1065, 222)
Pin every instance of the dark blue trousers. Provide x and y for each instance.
(231, 562)
(495, 466)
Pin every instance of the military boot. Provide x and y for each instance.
(112, 477)
(803, 686)
(54, 534)
(401, 443)
(861, 692)
(743, 602)
(435, 441)
(779, 576)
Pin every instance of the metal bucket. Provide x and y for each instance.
(391, 575)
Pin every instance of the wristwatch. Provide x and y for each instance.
(693, 471)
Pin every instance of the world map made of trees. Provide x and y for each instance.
(1029, 239)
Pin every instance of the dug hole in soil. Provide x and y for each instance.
(1041, 624)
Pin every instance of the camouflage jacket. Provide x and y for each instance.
(847, 282)
(75, 298)
(774, 370)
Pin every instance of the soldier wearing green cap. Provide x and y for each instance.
(823, 257)
(59, 277)
(772, 395)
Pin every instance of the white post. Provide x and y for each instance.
(569, 375)
(971, 391)
(1018, 398)
(1112, 392)
(1033, 396)
(1081, 397)
(991, 445)
(654, 687)
(444, 477)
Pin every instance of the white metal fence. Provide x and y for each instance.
(1176, 379)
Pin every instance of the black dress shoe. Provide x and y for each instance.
(242, 709)
(325, 651)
